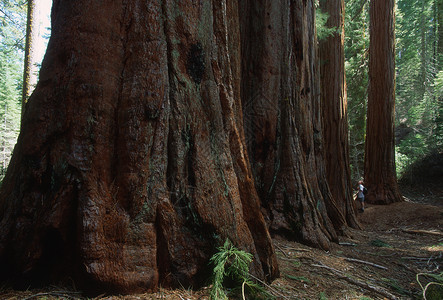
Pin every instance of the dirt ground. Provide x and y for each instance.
(379, 262)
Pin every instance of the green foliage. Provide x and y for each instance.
(433, 289)
(232, 266)
(418, 83)
(323, 31)
(395, 286)
(438, 84)
(356, 65)
(380, 243)
(12, 33)
(409, 151)
(298, 278)
(296, 263)
(322, 296)
(419, 80)
(13, 25)
(10, 107)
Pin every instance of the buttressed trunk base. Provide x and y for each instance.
(131, 167)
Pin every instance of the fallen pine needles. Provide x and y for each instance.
(359, 283)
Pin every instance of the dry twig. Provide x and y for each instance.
(365, 262)
(347, 244)
(67, 294)
(362, 284)
(418, 231)
(269, 287)
(281, 250)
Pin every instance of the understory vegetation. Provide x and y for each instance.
(231, 274)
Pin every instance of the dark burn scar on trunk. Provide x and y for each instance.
(196, 62)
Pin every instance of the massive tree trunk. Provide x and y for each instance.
(282, 118)
(335, 114)
(380, 177)
(131, 165)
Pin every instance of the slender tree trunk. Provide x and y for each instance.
(423, 54)
(29, 76)
(131, 166)
(335, 115)
(439, 116)
(380, 177)
(4, 162)
(439, 112)
(281, 115)
(440, 33)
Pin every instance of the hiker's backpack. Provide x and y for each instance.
(365, 191)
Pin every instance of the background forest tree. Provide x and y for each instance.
(13, 18)
(335, 110)
(419, 73)
(12, 36)
(379, 168)
(418, 109)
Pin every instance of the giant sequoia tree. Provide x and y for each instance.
(283, 127)
(335, 115)
(380, 177)
(131, 165)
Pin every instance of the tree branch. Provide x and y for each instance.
(362, 284)
(418, 231)
(365, 262)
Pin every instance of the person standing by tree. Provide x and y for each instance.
(361, 195)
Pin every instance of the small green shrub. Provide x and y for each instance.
(299, 278)
(380, 243)
(231, 267)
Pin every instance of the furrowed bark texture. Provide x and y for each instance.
(282, 120)
(131, 165)
(335, 117)
(380, 177)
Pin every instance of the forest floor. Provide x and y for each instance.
(381, 261)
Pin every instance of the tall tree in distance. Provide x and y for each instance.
(439, 71)
(439, 9)
(131, 167)
(29, 76)
(357, 60)
(380, 175)
(416, 105)
(335, 114)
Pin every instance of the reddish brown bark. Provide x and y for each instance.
(335, 117)
(380, 177)
(282, 121)
(131, 166)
